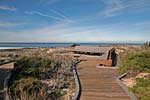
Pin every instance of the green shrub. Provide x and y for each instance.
(34, 67)
(28, 85)
(137, 62)
(142, 89)
(30, 72)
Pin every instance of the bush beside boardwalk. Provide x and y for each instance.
(138, 67)
(136, 62)
(37, 78)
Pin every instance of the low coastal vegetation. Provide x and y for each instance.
(38, 78)
(142, 88)
(136, 64)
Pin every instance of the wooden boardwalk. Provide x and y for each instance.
(99, 83)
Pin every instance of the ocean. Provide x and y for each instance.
(49, 45)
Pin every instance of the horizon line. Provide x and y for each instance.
(82, 42)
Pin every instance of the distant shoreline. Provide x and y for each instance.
(4, 48)
(56, 45)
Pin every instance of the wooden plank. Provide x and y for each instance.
(99, 84)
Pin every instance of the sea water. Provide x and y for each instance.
(50, 45)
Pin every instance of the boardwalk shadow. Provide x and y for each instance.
(3, 74)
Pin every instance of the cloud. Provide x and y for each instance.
(68, 32)
(53, 1)
(117, 7)
(9, 24)
(42, 14)
(7, 8)
(137, 4)
(143, 23)
(113, 8)
(50, 2)
(62, 15)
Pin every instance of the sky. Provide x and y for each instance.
(75, 21)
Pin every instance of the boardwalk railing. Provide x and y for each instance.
(77, 82)
(125, 88)
(6, 62)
